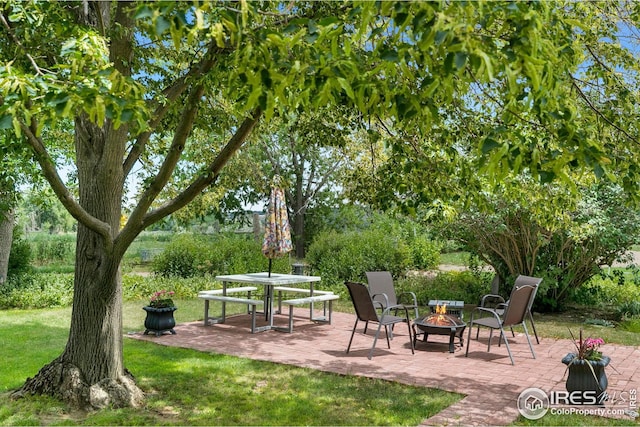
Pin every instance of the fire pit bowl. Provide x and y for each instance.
(439, 324)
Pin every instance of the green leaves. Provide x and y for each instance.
(6, 122)
(493, 88)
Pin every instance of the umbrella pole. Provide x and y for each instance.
(269, 295)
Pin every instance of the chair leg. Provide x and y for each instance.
(533, 326)
(390, 330)
(410, 337)
(526, 333)
(352, 334)
(490, 338)
(507, 345)
(375, 339)
(466, 353)
(387, 333)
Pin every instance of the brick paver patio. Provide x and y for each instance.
(489, 381)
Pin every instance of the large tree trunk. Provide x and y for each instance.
(299, 208)
(90, 372)
(6, 237)
(298, 233)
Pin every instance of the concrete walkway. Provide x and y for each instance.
(489, 381)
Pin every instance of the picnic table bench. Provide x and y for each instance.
(223, 296)
(325, 297)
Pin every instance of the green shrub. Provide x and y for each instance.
(338, 257)
(188, 255)
(236, 254)
(628, 310)
(425, 253)
(136, 287)
(19, 257)
(53, 248)
(45, 290)
(181, 257)
(37, 291)
(631, 325)
(608, 289)
(464, 286)
(513, 231)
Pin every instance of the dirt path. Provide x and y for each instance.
(634, 261)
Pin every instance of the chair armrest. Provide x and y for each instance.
(412, 295)
(383, 295)
(486, 310)
(395, 307)
(494, 297)
(483, 310)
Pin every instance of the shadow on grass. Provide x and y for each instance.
(188, 387)
(218, 389)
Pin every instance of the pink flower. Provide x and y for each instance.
(588, 348)
(162, 299)
(593, 343)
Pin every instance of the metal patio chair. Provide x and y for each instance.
(366, 312)
(514, 314)
(498, 303)
(381, 285)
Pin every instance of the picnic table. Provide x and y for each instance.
(271, 283)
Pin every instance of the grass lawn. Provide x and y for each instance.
(455, 258)
(187, 387)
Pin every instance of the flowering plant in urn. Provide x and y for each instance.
(586, 349)
(586, 368)
(162, 299)
(160, 313)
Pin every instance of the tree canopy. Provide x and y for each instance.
(528, 86)
(462, 87)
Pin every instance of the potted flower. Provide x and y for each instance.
(160, 313)
(586, 370)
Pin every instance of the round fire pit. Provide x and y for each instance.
(439, 324)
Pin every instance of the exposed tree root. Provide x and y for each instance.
(64, 381)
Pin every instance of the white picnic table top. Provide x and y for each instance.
(270, 281)
(263, 278)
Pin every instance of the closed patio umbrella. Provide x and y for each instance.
(277, 233)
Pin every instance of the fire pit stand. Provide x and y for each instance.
(434, 324)
(452, 307)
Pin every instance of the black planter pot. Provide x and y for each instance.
(587, 375)
(159, 320)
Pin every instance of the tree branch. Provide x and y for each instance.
(13, 37)
(211, 172)
(59, 188)
(171, 94)
(182, 132)
(599, 113)
(501, 105)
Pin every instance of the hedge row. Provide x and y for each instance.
(189, 255)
